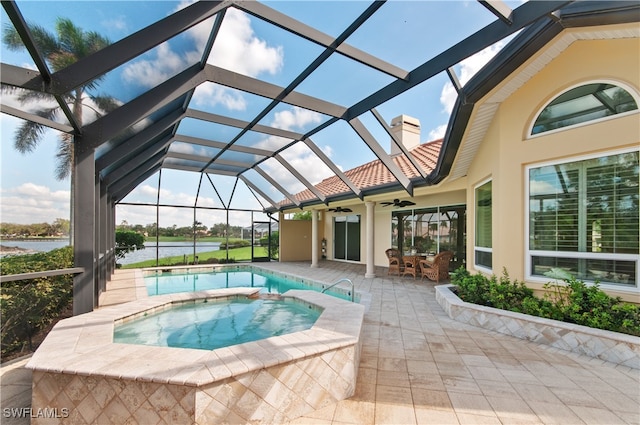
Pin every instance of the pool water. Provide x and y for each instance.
(170, 283)
(215, 323)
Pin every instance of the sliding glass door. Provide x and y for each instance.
(346, 237)
(431, 230)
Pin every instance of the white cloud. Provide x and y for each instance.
(298, 155)
(146, 191)
(438, 132)
(213, 94)
(32, 203)
(118, 23)
(467, 69)
(237, 48)
(181, 217)
(152, 72)
(540, 187)
(295, 119)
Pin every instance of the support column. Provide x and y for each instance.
(314, 238)
(371, 266)
(84, 214)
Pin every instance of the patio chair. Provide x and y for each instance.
(393, 255)
(410, 265)
(438, 269)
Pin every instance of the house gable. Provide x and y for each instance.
(506, 152)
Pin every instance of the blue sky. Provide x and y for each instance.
(405, 33)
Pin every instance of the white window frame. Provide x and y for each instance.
(620, 84)
(481, 267)
(571, 254)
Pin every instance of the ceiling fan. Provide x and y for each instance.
(398, 203)
(339, 209)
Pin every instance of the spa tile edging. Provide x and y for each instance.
(79, 368)
(605, 345)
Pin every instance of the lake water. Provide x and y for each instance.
(41, 246)
(166, 249)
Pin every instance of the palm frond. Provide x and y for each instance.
(7, 89)
(45, 41)
(76, 41)
(31, 96)
(96, 41)
(64, 157)
(70, 36)
(93, 84)
(106, 103)
(27, 136)
(11, 39)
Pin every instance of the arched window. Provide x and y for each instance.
(589, 102)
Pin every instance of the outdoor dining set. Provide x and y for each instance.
(433, 267)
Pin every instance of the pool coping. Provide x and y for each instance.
(83, 345)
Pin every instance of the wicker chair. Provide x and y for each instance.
(394, 261)
(410, 265)
(438, 269)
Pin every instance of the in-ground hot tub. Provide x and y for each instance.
(80, 369)
(210, 324)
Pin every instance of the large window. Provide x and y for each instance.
(585, 103)
(431, 230)
(483, 249)
(583, 218)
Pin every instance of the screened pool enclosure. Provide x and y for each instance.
(246, 124)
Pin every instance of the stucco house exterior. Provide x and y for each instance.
(538, 170)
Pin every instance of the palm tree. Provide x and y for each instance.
(68, 45)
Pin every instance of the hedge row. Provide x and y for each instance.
(28, 306)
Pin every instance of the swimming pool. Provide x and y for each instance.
(212, 324)
(193, 279)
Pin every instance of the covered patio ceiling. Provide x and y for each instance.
(165, 124)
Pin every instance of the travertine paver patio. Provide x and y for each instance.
(420, 367)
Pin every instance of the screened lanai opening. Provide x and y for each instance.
(219, 216)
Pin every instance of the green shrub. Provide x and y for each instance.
(274, 246)
(471, 288)
(572, 302)
(239, 243)
(28, 306)
(128, 241)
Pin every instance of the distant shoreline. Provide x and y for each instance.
(11, 250)
(4, 239)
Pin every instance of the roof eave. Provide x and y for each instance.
(514, 55)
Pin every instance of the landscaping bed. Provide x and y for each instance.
(614, 347)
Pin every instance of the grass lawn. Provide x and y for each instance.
(236, 254)
(190, 239)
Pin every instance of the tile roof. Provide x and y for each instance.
(374, 173)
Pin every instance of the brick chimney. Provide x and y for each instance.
(407, 130)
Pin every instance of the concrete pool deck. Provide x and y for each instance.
(418, 366)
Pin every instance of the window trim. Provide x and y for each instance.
(476, 248)
(529, 253)
(620, 84)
